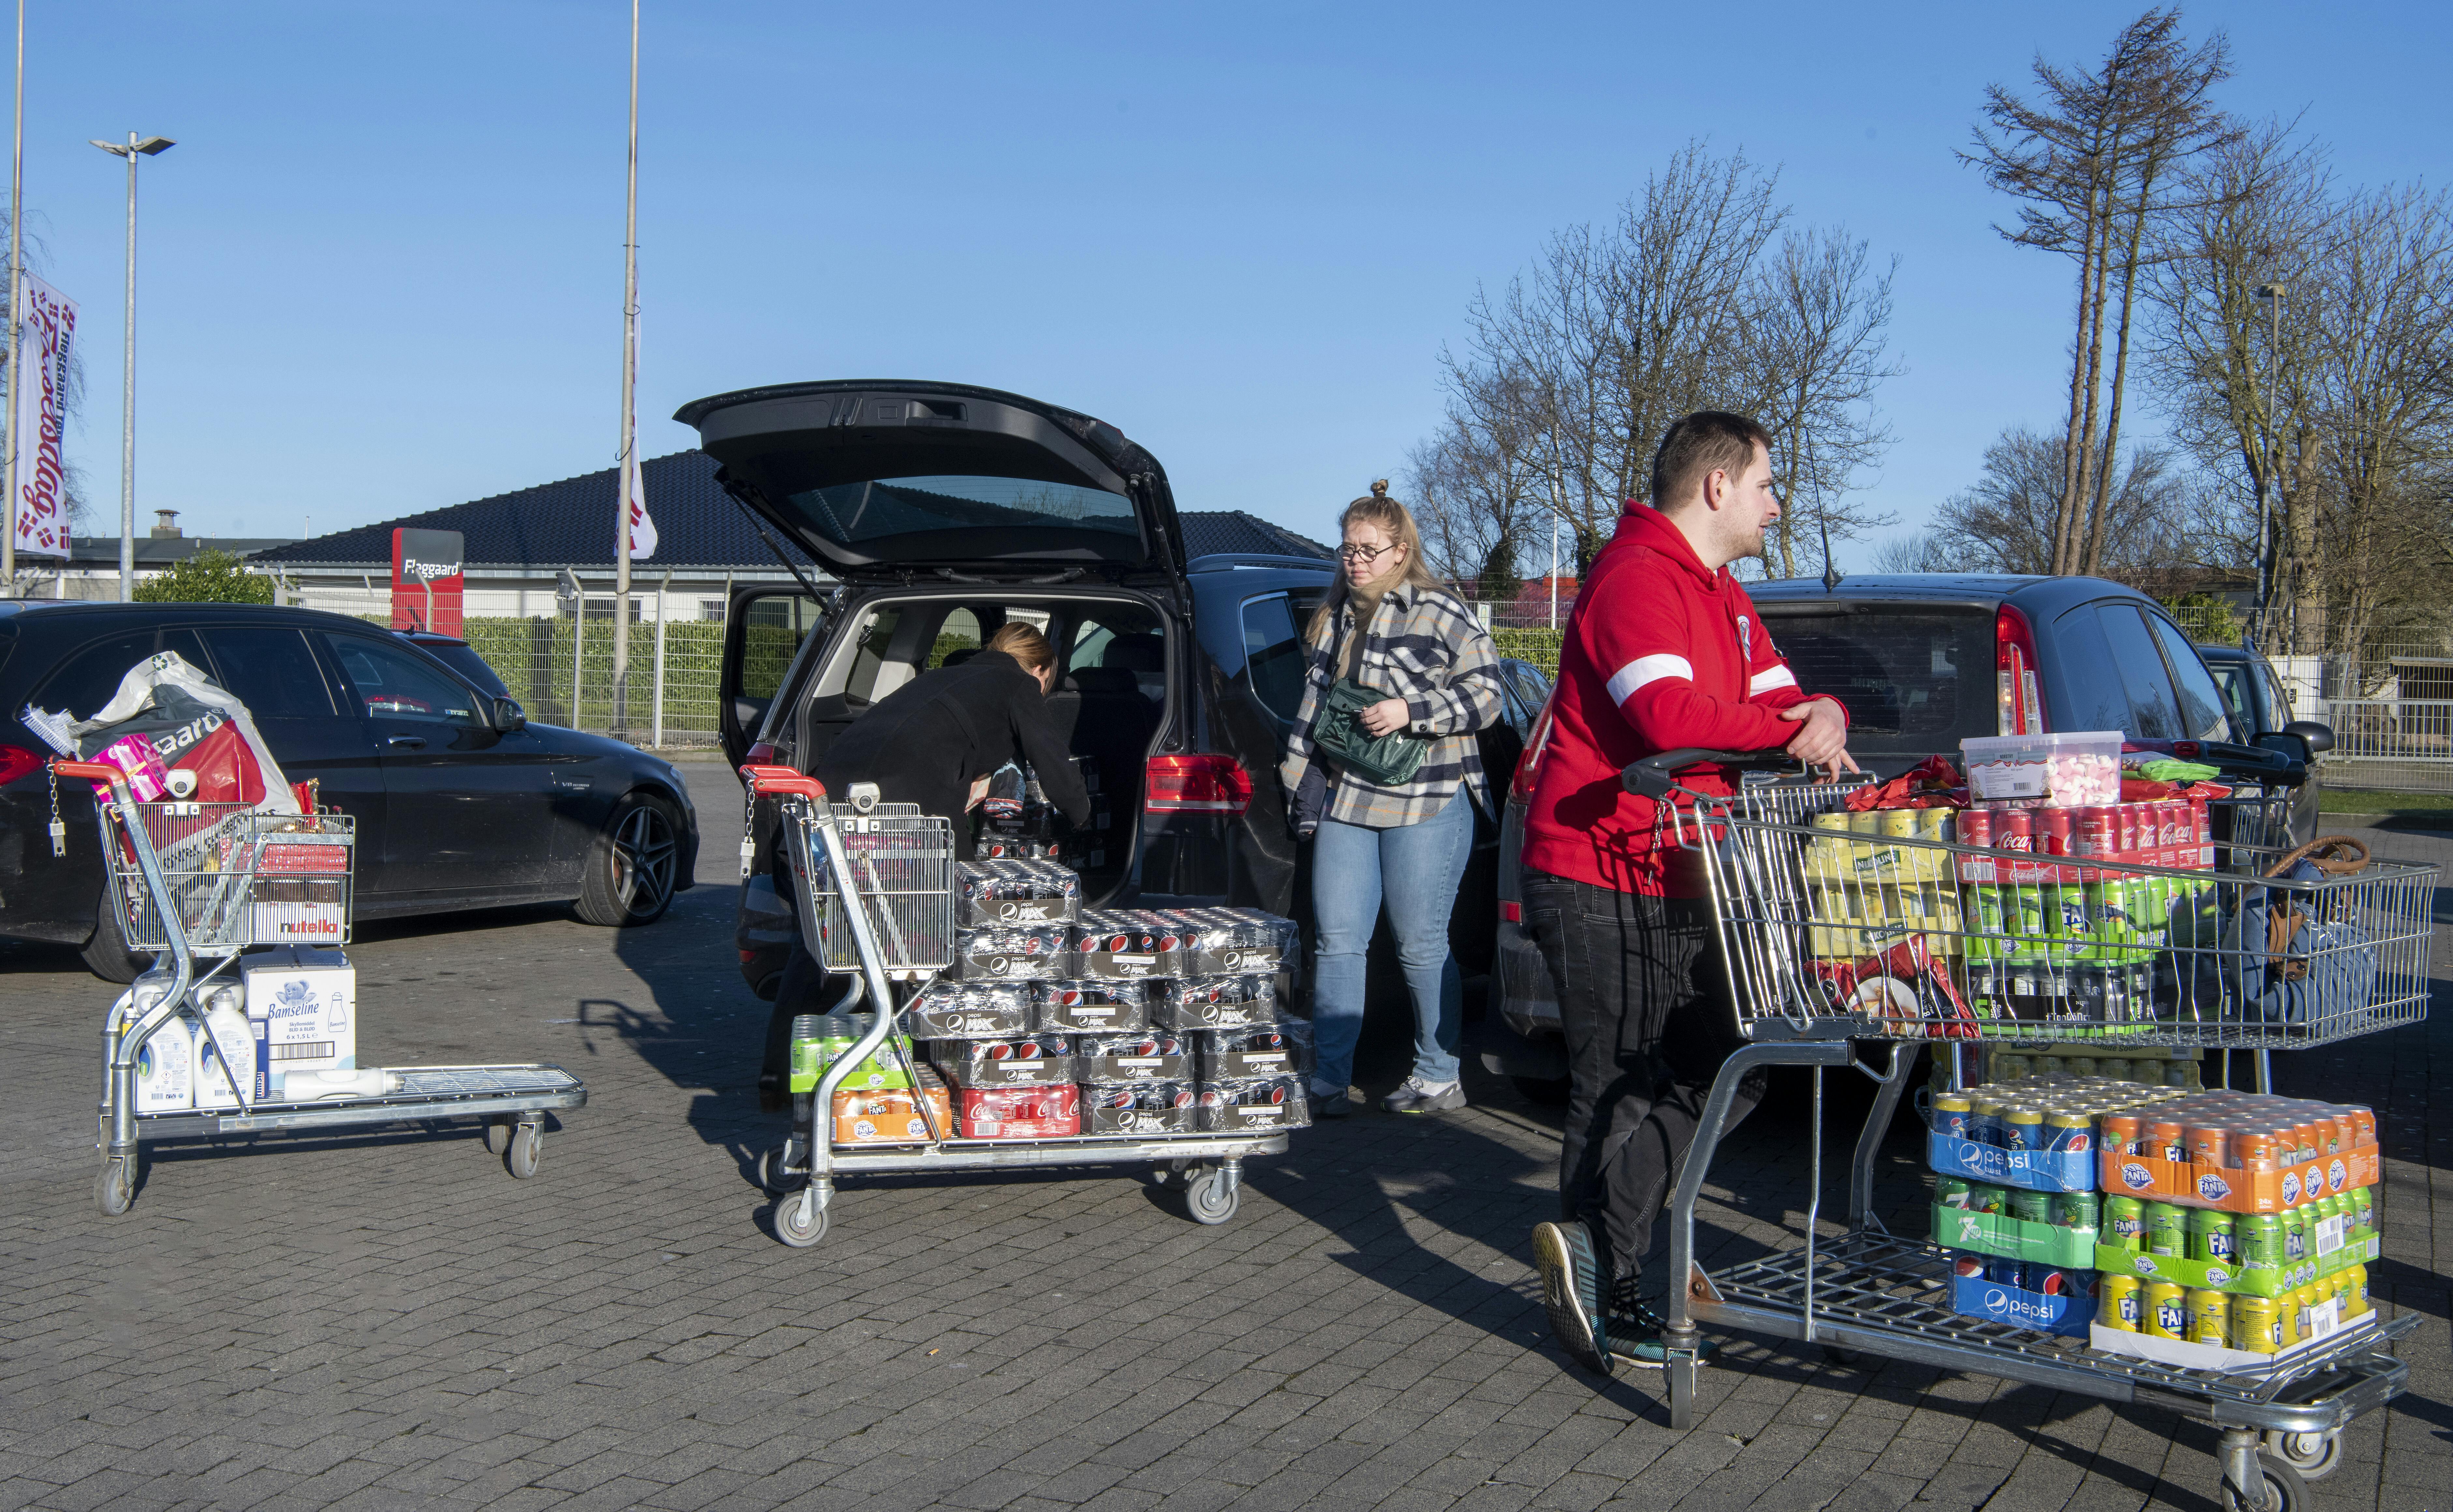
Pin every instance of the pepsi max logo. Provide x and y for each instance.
(2136, 1177)
(2213, 1187)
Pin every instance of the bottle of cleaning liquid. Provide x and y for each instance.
(307, 1086)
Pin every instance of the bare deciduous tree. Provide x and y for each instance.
(2008, 519)
(2099, 157)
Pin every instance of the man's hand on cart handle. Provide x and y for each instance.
(1822, 739)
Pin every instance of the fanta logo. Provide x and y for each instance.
(2145, 1264)
(2336, 1175)
(2290, 1187)
(2213, 1187)
(2218, 1277)
(2136, 1176)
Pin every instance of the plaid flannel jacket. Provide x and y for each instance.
(1425, 647)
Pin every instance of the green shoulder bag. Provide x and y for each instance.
(1337, 732)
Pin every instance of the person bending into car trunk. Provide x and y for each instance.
(1389, 626)
(933, 742)
(1663, 651)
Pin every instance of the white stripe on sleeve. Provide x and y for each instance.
(1765, 682)
(1644, 670)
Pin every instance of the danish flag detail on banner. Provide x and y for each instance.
(642, 529)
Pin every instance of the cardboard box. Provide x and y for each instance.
(302, 1009)
(2018, 1239)
(2037, 1170)
(1975, 1297)
(2235, 1190)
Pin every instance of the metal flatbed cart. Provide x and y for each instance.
(898, 866)
(1869, 1292)
(203, 881)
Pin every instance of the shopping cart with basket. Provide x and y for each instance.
(876, 892)
(203, 883)
(1932, 928)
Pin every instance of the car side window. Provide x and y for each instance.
(1273, 654)
(2203, 716)
(2154, 712)
(2282, 700)
(2094, 696)
(868, 654)
(86, 681)
(2232, 682)
(273, 671)
(390, 682)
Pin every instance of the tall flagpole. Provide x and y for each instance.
(16, 299)
(622, 472)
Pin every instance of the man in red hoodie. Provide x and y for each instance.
(1663, 650)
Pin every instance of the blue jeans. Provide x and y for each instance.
(1418, 866)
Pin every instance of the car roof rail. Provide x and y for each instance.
(1222, 561)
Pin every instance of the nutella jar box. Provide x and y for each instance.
(1068, 1006)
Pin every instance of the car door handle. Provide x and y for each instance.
(405, 739)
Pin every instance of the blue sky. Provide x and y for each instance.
(382, 269)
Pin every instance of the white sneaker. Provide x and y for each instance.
(1418, 1096)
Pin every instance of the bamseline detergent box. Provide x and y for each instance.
(301, 1010)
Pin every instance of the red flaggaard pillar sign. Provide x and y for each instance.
(426, 581)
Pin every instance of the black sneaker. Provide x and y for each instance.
(1571, 1292)
(1635, 1330)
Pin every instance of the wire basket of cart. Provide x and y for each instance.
(222, 1038)
(2116, 939)
(1018, 1029)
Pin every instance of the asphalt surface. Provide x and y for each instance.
(388, 1320)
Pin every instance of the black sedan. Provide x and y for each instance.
(460, 802)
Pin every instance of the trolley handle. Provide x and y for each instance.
(91, 771)
(1651, 778)
(777, 782)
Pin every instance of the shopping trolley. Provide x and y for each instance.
(875, 884)
(1785, 871)
(200, 882)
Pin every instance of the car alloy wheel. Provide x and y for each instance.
(632, 866)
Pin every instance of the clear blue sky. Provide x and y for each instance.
(382, 270)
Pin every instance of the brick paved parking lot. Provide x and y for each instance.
(392, 1320)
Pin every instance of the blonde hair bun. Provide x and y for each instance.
(1379, 487)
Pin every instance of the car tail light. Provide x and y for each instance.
(762, 754)
(2021, 712)
(1521, 785)
(16, 761)
(1203, 784)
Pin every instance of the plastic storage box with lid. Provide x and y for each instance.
(2076, 770)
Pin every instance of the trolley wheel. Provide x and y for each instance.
(498, 1135)
(800, 1221)
(2282, 1489)
(772, 1178)
(2314, 1455)
(527, 1142)
(1840, 1359)
(115, 1189)
(1209, 1199)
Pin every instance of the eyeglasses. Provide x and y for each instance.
(1364, 553)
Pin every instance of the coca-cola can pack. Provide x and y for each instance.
(1012, 891)
(1214, 1003)
(1267, 1049)
(1256, 1104)
(1151, 1107)
(1070, 1004)
(1127, 943)
(968, 1010)
(1017, 1113)
(1009, 953)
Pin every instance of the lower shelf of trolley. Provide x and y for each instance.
(1891, 1297)
(1075, 1150)
(2211, 1033)
(427, 1092)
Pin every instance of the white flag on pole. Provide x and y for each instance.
(46, 334)
(634, 493)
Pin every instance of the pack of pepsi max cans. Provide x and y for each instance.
(1204, 1055)
(1019, 924)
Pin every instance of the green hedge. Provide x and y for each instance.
(1541, 648)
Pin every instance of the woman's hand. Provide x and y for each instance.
(1387, 717)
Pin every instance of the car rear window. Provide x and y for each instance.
(851, 512)
(1915, 679)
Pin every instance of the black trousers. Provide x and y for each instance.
(1646, 1007)
(802, 987)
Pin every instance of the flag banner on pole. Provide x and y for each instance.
(46, 332)
(634, 491)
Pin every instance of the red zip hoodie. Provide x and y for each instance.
(1660, 653)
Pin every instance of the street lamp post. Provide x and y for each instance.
(2272, 295)
(131, 149)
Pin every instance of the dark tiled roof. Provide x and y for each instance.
(161, 550)
(1209, 532)
(569, 524)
